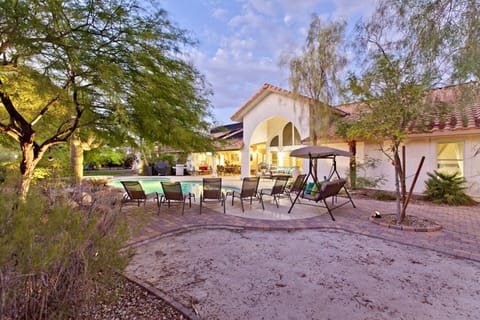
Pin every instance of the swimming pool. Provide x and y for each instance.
(150, 184)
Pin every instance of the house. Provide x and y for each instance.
(226, 158)
(276, 121)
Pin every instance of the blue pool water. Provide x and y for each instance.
(153, 185)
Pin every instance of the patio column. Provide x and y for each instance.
(245, 170)
(214, 165)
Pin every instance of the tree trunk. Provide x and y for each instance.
(76, 158)
(77, 147)
(398, 173)
(352, 147)
(27, 167)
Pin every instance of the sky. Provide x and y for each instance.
(241, 42)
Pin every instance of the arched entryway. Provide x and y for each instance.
(270, 147)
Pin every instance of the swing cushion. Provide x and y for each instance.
(315, 188)
(309, 187)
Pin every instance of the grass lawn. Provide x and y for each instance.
(106, 172)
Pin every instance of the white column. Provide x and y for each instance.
(214, 165)
(245, 162)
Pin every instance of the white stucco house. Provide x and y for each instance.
(275, 122)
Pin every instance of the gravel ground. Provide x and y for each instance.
(134, 302)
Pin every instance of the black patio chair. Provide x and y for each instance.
(296, 187)
(172, 193)
(248, 191)
(276, 191)
(212, 192)
(135, 193)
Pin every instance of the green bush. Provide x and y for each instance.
(55, 256)
(384, 196)
(447, 188)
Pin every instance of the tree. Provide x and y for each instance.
(112, 66)
(409, 47)
(446, 32)
(314, 73)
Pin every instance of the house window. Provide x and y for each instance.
(274, 142)
(287, 134)
(291, 136)
(450, 157)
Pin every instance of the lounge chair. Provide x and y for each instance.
(172, 192)
(249, 190)
(329, 189)
(135, 193)
(275, 192)
(296, 187)
(212, 191)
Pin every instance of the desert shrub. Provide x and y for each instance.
(56, 256)
(384, 196)
(363, 178)
(447, 188)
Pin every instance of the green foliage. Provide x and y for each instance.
(112, 68)
(447, 31)
(117, 172)
(105, 156)
(384, 196)
(447, 188)
(54, 254)
(363, 179)
(168, 157)
(3, 174)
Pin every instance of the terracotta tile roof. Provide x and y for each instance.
(261, 94)
(464, 108)
(463, 113)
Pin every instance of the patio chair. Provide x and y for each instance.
(172, 192)
(212, 191)
(135, 193)
(275, 192)
(296, 187)
(249, 190)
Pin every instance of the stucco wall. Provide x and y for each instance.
(427, 146)
(256, 128)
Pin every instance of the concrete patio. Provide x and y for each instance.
(459, 237)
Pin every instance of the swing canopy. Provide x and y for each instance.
(318, 152)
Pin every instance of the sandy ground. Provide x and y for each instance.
(309, 274)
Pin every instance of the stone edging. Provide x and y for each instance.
(185, 311)
(434, 227)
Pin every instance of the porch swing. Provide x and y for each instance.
(329, 188)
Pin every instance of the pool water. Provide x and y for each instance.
(150, 185)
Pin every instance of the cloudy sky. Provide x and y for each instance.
(241, 42)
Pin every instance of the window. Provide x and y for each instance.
(287, 134)
(274, 142)
(291, 136)
(450, 157)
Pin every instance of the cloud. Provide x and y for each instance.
(263, 7)
(220, 14)
(243, 41)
